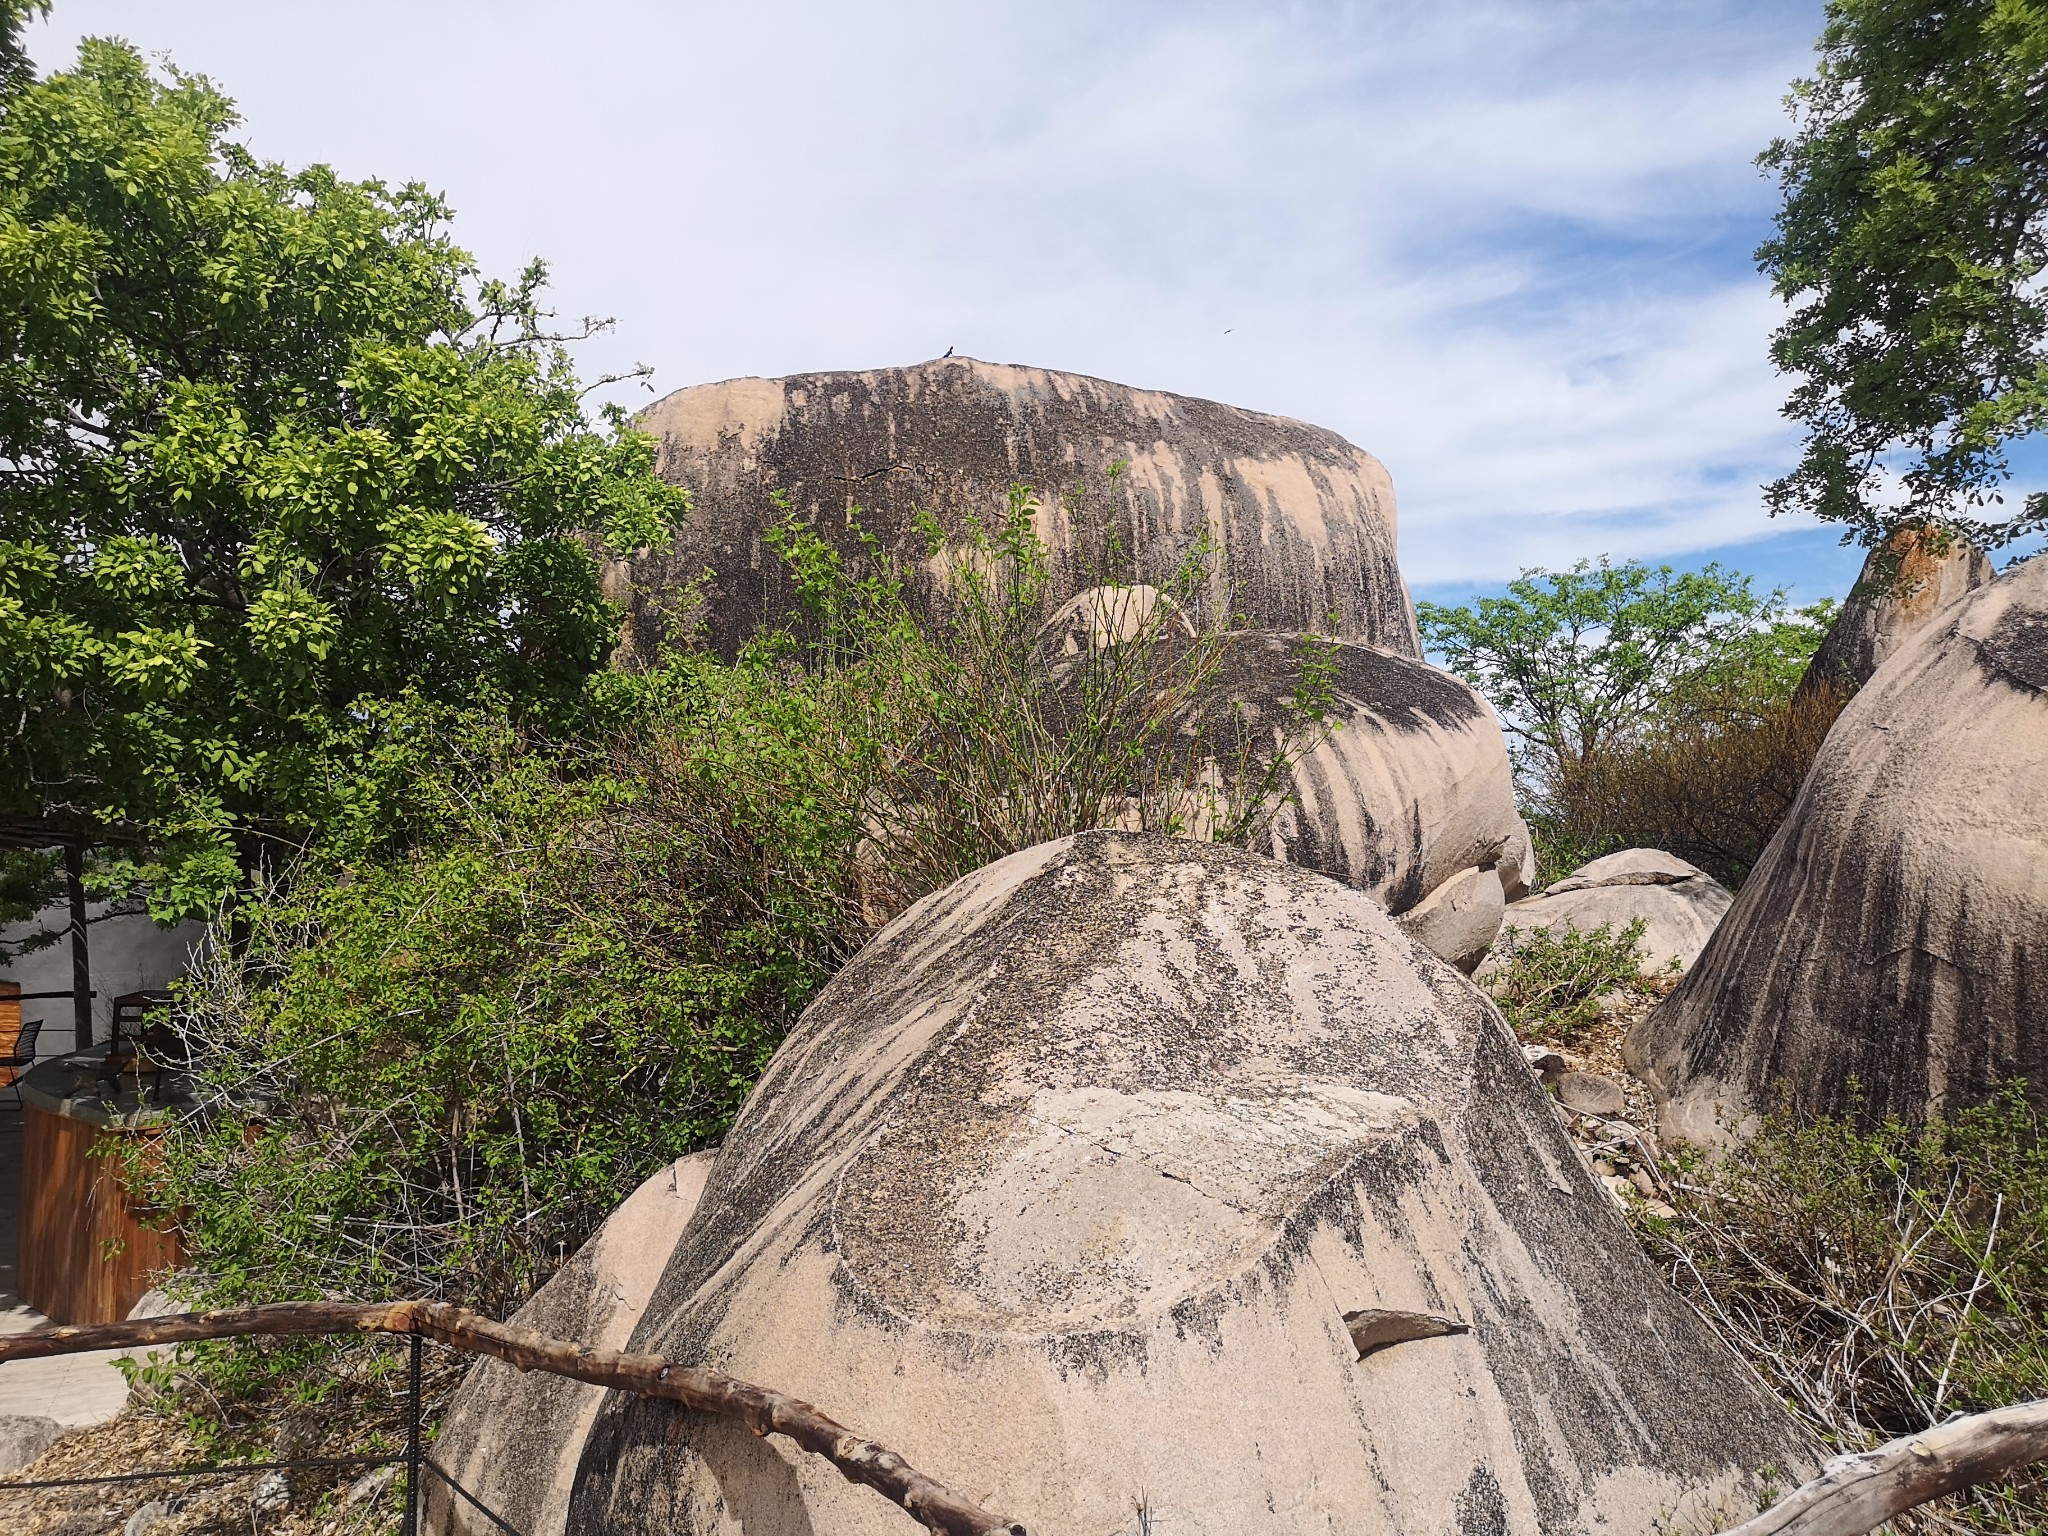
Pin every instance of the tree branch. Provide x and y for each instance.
(1858, 1493)
(761, 1409)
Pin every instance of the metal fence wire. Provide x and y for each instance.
(418, 1465)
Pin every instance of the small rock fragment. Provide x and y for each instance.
(1378, 1328)
(369, 1485)
(1544, 1062)
(271, 1493)
(24, 1437)
(1591, 1094)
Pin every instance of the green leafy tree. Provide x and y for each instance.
(1574, 659)
(272, 454)
(1911, 244)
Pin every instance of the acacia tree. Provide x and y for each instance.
(1911, 244)
(273, 457)
(1574, 659)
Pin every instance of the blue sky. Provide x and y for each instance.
(1503, 244)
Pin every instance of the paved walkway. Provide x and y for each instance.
(75, 1390)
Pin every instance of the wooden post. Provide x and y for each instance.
(81, 960)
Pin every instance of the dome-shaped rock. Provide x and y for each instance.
(1302, 522)
(1409, 788)
(1889, 953)
(1903, 587)
(1678, 903)
(514, 1438)
(1138, 1174)
(1405, 793)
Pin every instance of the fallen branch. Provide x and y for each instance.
(1858, 1493)
(761, 1409)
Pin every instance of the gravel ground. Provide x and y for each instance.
(314, 1502)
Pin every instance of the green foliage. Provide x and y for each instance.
(1880, 1279)
(1911, 243)
(15, 66)
(27, 877)
(276, 455)
(432, 1073)
(997, 744)
(1710, 780)
(522, 976)
(1647, 708)
(1550, 986)
(1574, 659)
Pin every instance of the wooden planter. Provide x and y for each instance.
(87, 1254)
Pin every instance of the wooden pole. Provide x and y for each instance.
(1858, 1493)
(761, 1409)
(81, 959)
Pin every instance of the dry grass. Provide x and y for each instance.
(1879, 1279)
(1710, 781)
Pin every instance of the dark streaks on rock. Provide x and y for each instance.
(1889, 953)
(1305, 521)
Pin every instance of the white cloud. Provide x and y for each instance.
(1503, 245)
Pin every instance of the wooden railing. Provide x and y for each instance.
(1853, 1495)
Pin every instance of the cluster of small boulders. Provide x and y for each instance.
(1608, 1113)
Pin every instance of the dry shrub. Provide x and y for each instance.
(1711, 781)
(1880, 1279)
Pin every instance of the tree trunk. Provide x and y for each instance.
(1855, 1494)
(81, 960)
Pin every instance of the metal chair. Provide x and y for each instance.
(21, 1056)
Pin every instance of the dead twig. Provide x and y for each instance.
(761, 1409)
(1858, 1493)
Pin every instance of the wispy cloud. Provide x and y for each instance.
(1503, 245)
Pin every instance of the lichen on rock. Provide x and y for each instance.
(1073, 1186)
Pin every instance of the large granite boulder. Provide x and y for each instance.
(1303, 522)
(1904, 585)
(515, 1439)
(1408, 790)
(1889, 953)
(1678, 903)
(1136, 1182)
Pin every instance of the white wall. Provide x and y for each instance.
(129, 954)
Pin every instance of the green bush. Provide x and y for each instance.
(1550, 985)
(1645, 707)
(1879, 1279)
(443, 1048)
(433, 1073)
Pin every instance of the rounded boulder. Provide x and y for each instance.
(1135, 1179)
(1889, 953)
(1678, 904)
(1301, 523)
